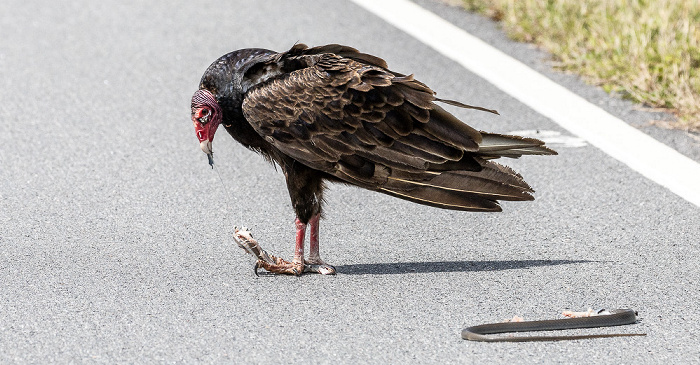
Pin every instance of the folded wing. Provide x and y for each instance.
(344, 113)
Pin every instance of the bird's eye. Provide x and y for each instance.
(202, 115)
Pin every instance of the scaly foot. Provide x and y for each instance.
(318, 266)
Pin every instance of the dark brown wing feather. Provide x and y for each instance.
(343, 113)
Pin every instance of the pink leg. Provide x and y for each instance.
(299, 246)
(315, 263)
(313, 238)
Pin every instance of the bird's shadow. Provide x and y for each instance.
(447, 266)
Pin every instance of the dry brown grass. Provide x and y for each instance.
(647, 50)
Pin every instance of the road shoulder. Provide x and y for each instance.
(644, 119)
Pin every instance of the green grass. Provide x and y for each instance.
(647, 50)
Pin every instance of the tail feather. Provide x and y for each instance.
(460, 190)
(500, 145)
(445, 199)
(445, 127)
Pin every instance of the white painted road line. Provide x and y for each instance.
(613, 136)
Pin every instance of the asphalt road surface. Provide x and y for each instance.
(115, 238)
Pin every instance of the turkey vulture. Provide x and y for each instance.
(332, 113)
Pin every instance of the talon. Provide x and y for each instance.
(256, 267)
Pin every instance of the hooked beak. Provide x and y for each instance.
(205, 134)
(206, 148)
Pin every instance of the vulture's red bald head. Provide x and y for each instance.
(206, 117)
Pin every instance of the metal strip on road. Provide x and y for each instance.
(642, 153)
